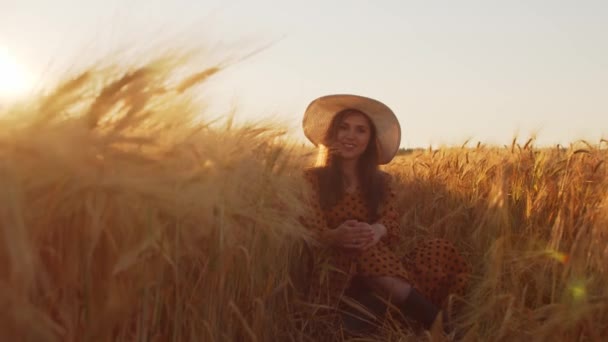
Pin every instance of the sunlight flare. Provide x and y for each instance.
(559, 256)
(16, 80)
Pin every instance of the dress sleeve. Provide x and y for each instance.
(313, 217)
(389, 216)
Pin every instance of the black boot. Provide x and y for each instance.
(420, 309)
(360, 323)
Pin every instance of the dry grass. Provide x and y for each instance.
(534, 224)
(125, 217)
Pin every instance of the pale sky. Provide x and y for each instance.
(451, 70)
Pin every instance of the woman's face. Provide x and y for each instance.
(353, 136)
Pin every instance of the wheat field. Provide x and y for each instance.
(130, 214)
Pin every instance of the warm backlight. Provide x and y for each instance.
(15, 80)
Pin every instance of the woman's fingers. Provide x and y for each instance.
(368, 245)
(362, 230)
(351, 223)
(355, 245)
(361, 237)
(356, 236)
(358, 242)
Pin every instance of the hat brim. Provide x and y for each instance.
(320, 113)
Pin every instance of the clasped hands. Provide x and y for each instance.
(357, 235)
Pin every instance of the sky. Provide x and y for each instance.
(451, 70)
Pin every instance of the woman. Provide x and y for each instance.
(353, 213)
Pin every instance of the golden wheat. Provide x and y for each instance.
(126, 217)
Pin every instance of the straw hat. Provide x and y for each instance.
(321, 111)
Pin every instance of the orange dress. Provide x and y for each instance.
(434, 268)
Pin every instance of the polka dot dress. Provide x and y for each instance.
(434, 267)
(438, 270)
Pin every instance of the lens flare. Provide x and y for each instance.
(578, 290)
(559, 256)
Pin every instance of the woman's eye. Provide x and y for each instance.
(361, 130)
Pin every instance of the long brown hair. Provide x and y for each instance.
(372, 181)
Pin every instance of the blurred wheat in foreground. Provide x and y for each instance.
(124, 217)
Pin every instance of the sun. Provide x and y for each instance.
(15, 79)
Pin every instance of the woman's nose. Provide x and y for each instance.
(350, 134)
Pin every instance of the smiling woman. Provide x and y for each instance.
(15, 80)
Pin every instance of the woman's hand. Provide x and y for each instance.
(378, 230)
(352, 234)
